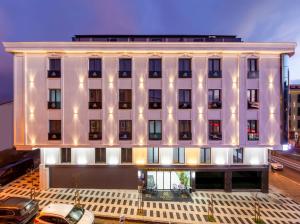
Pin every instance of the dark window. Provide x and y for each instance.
(154, 98)
(185, 68)
(154, 68)
(95, 101)
(126, 155)
(238, 155)
(125, 68)
(125, 129)
(298, 125)
(252, 98)
(54, 99)
(205, 155)
(298, 111)
(153, 155)
(214, 130)
(54, 68)
(95, 130)
(253, 130)
(252, 68)
(100, 155)
(125, 99)
(155, 130)
(185, 99)
(54, 130)
(65, 155)
(214, 68)
(178, 155)
(214, 99)
(184, 129)
(298, 98)
(95, 68)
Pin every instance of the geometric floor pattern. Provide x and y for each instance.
(229, 208)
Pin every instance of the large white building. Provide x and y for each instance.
(109, 111)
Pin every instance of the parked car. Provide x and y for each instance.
(64, 214)
(18, 210)
(276, 166)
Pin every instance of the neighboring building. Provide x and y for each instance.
(6, 125)
(110, 111)
(294, 115)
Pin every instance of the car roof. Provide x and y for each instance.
(57, 209)
(14, 202)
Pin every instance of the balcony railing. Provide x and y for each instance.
(125, 135)
(154, 74)
(124, 74)
(54, 74)
(124, 105)
(185, 74)
(95, 105)
(253, 105)
(95, 136)
(54, 136)
(185, 135)
(253, 136)
(154, 105)
(94, 74)
(53, 105)
(253, 74)
(215, 105)
(185, 105)
(154, 136)
(215, 74)
(215, 136)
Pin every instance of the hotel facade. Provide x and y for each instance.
(163, 111)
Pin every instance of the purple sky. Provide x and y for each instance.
(59, 20)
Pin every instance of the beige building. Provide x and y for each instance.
(294, 115)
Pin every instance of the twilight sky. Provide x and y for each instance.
(59, 20)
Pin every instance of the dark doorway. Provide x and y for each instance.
(209, 180)
(246, 180)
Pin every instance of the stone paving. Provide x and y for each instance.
(231, 208)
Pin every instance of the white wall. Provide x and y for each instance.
(6, 125)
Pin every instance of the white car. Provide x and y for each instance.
(64, 214)
(276, 166)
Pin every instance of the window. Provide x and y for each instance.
(54, 130)
(252, 98)
(298, 98)
(185, 99)
(298, 124)
(184, 128)
(95, 130)
(214, 68)
(154, 68)
(125, 99)
(205, 155)
(185, 68)
(178, 155)
(125, 129)
(155, 130)
(126, 155)
(95, 68)
(54, 99)
(238, 155)
(298, 111)
(65, 155)
(214, 99)
(95, 101)
(153, 155)
(214, 130)
(125, 68)
(54, 68)
(6, 212)
(253, 130)
(100, 155)
(252, 68)
(154, 98)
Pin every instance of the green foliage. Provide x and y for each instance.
(184, 179)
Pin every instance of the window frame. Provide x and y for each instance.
(177, 155)
(212, 71)
(236, 156)
(214, 103)
(185, 104)
(125, 103)
(256, 129)
(127, 156)
(184, 125)
(218, 134)
(66, 155)
(154, 98)
(128, 125)
(155, 67)
(125, 69)
(206, 151)
(185, 67)
(151, 153)
(100, 155)
(155, 124)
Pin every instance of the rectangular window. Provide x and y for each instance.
(54, 68)
(298, 111)
(214, 130)
(100, 155)
(126, 155)
(298, 124)
(95, 130)
(125, 129)
(205, 155)
(214, 99)
(54, 99)
(54, 130)
(65, 155)
(154, 98)
(155, 130)
(95, 68)
(214, 68)
(185, 130)
(125, 68)
(153, 155)
(95, 100)
(125, 99)
(238, 155)
(252, 68)
(178, 155)
(185, 68)
(298, 98)
(154, 68)
(185, 99)
(252, 98)
(253, 130)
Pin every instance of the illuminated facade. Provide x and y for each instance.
(110, 111)
(294, 115)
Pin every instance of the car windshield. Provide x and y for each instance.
(75, 214)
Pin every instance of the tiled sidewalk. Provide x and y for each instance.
(235, 208)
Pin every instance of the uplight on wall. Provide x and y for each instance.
(141, 83)
(171, 82)
(111, 140)
(234, 82)
(110, 82)
(272, 112)
(200, 113)
(75, 140)
(75, 113)
(31, 81)
(200, 83)
(233, 112)
(81, 82)
(31, 113)
(33, 140)
(271, 82)
(271, 140)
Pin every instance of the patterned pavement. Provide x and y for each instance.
(229, 208)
